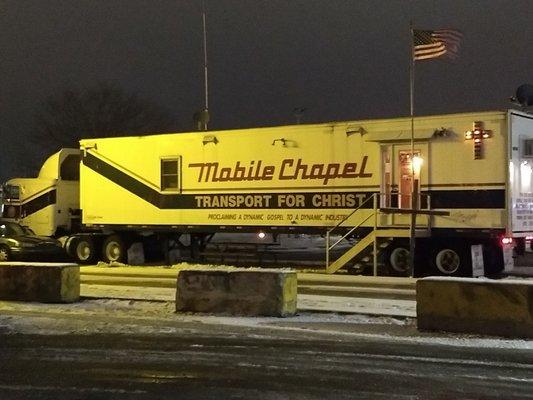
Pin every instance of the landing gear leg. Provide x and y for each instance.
(172, 249)
(198, 243)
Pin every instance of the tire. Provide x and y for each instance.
(70, 246)
(114, 249)
(5, 254)
(397, 259)
(451, 260)
(84, 250)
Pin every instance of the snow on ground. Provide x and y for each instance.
(306, 302)
(132, 310)
(131, 317)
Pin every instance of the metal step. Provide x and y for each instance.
(351, 253)
(360, 248)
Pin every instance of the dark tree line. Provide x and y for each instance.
(103, 111)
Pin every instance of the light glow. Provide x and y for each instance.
(507, 240)
(417, 164)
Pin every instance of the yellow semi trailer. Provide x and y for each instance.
(474, 188)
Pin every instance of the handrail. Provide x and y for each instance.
(349, 232)
(328, 233)
(352, 213)
(373, 196)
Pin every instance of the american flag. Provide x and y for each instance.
(433, 44)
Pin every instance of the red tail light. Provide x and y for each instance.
(506, 240)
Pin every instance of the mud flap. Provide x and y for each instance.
(421, 264)
(508, 259)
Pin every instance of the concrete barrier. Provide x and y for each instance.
(237, 291)
(42, 282)
(481, 306)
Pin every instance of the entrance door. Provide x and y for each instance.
(396, 179)
(406, 178)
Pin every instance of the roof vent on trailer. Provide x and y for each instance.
(352, 130)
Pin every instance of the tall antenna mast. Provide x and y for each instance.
(205, 113)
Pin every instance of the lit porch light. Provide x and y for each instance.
(417, 165)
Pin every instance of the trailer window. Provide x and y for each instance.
(170, 174)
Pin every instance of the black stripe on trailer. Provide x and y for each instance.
(476, 199)
(210, 201)
(440, 199)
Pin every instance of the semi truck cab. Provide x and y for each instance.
(50, 202)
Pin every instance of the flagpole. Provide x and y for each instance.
(413, 194)
(412, 91)
(428, 45)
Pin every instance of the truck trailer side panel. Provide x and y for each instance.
(303, 176)
(296, 176)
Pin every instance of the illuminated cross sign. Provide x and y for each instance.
(477, 134)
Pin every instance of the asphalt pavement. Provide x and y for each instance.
(50, 353)
(126, 348)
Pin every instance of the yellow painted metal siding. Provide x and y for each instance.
(139, 157)
(449, 165)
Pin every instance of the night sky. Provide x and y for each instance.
(340, 59)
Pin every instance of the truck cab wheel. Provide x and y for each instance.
(84, 250)
(70, 246)
(114, 249)
(5, 254)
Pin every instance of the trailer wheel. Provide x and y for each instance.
(5, 254)
(396, 258)
(84, 250)
(114, 249)
(451, 260)
(447, 261)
